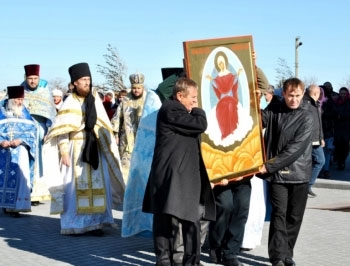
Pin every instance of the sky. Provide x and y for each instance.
(149, 35)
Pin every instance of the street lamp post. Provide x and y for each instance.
(297, 44)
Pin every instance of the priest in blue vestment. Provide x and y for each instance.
(17, 153)
(39, 102)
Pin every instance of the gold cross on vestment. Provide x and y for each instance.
(11, 134)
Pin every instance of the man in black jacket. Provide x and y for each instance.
(289, 126)
(178, 188)
(311, 98)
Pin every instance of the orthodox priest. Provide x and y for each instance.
(88, 164)
(39, 102)
(126, 119)
(17, 153)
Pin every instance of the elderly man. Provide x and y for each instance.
(178, 189)
(126, 120)
(17, 153)
(39, 102)
(312, 99)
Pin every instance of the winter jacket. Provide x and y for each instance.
(329, 116)
(288, 143)
(315, 109)
(178, 182)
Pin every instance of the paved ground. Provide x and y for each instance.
(34, 238)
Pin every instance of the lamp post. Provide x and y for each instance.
(297, 44)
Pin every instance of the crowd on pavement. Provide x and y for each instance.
(76, 149)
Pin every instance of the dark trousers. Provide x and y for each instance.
(164, 235)
(178, 241)
(232, 208)
(341, 151)
(288, 206)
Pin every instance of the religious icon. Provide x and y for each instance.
(228, 81)
(224, 69)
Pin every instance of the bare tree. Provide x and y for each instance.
(58, 83)
(346, 82)
(114, 70)
(283, 71)
(309, 80)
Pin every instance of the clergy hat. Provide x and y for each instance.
(78, 71)
(15, 92)
(32, 70)
(168, 71)
(137, 80)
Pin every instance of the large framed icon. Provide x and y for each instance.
(224, 68)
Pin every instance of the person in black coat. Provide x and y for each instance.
(312, 100)
(226, 234)
(178, 187)
(288, 135)
(342, 128)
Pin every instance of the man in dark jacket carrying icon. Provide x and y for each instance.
(178, 187)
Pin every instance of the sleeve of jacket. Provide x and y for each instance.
(294, 148)
(187, 123)
(264, 117)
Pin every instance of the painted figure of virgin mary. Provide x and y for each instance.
(228, 116)
(225, 86)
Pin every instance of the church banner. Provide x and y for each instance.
(224, 68)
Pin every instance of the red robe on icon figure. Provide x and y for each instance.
(225, 88)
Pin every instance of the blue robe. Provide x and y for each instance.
(16, 164)
(41, 107)
(134, 220)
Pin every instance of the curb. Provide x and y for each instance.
(332, 184)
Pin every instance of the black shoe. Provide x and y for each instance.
(232, 262)
(325, 175)
(278, 263)
(11, 213)
(15, 214)
(289, 262)
(341, 167)
(311, 194)
(215, 255)
(180, 264)
(97, 232)
(245, 249)
(35, 203)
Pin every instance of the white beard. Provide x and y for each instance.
(16, 110)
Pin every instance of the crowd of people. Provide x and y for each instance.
(331, 136)
(75, 148)
(335, 124)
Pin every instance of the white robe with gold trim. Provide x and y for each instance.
(83, 196)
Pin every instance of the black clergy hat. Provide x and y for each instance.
(78, 71)
(168, 71)
(15, 92)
